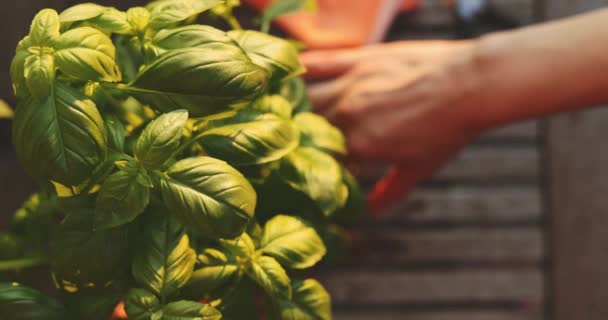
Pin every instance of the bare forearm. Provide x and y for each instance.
(541, 70)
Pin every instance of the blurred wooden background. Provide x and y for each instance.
(513, 229)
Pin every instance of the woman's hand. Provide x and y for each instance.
(408, 103)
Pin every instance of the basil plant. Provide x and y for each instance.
(182, 174)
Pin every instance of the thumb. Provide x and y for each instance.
(323, 64)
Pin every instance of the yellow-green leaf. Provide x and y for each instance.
(209, 196)
(87, 54)
(292, 241)
(269, 275)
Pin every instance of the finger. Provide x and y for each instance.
(323, 64)
(323, 95)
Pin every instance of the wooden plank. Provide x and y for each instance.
(445, 315)
(578, 171)
(457, 205)
(479, 164)
(393, 287)
(465, 246)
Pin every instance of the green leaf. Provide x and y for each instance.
(22, 303)
(18, 67)
(6, 112)
(81, 12)
(276, 55)
(45, 27)
(281, 7)
(310, 302)
(82, 254)
(219, 265)
(216, 267)
(62, 138)
(274, 104)
(294, 90)
(112, 21)
(141, 304)
(160, 138)
(317, 175)
(124, 195)
(188, 37)
(115, 130)
(292, 241)
(166, 14)
(269, 275)
(209, 196)
(250, 137)
(138, 18)
(165, 261)
(39, 72)
(189, 310)
(87, 54)
(319, 133)
(204, 80)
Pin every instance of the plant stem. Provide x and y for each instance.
(233, 22)
(22, 263)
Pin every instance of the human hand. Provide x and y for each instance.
(408, 103)
(340, 23)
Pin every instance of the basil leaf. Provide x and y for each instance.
(81, 12)
(87, 54)
(39, 72)
(210, 196)
(171, 13)
(319, 133)
(310, 302)
(250, 137)
(112, 21)
(61, 139)
(189, 310)
(45, 27)
(276, 55)
(317, 175)
(204, 80)
(18, 67)
(123, 196)
(160, 138)
(166, 261)
(294, 90)
(141, 304)
(22, 303)
(115, 130)
(217, 266)
(292, 241)
(274, 104)
(6, 112)
(138, 18)
(281, 7)
(82, 254)
(188, 37)
(269, 275)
